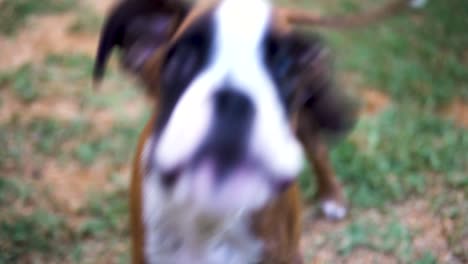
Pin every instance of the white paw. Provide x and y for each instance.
(333, 210)
(417, 3)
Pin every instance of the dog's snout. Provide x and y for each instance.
(232, 117)
(232, 106)
(227, 138)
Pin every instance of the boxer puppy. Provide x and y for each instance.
(241, 97)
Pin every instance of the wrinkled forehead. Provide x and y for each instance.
(232, 17)
(230, 36)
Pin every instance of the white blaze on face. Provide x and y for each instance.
(188, 124)
(240, 27)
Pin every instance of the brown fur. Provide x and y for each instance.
(328, 186)
(279, 226)
(136, 221)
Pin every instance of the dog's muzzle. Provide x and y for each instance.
(225, 174)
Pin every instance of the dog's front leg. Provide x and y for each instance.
(329, 190)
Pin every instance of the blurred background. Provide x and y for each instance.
(66, 149)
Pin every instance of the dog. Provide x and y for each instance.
(241, 98)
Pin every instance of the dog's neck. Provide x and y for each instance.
(178, 233)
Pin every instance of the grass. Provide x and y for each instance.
(107, 220)
(390, 158)
(74, 66)
(113, 146)
(23, 233)
(427, 258)
(32, 81)
(48, 138)
(107, 213)
(393, 237)
(14, 13)
(11, 190)
(32, 227)
(418, 59)
(22, 83)
(39, 232)
(44, 136)
(45, 235)
(452, 205)
(401, 147)
(87, 21)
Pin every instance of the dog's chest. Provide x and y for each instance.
(177, 234)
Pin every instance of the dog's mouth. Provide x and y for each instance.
(243, 186)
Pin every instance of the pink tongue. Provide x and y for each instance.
(203, 182)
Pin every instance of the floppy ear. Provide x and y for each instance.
(301, 66)
(137, 28)
(317, 97)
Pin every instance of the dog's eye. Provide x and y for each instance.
(278, 56)
(181, 64)
(281, 62)
(185, 59)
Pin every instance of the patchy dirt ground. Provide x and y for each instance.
(458, 111)
(49, 34)
(68, 183)
(431, 235)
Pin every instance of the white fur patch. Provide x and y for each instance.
(418, 3)
(178, 232)
(188, 125)
(333, 210)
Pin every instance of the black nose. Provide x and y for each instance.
(226, 142)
